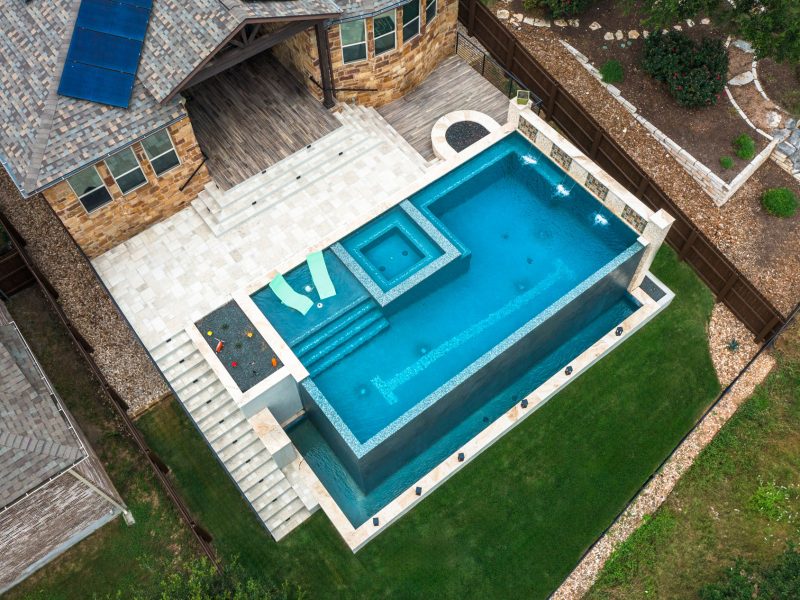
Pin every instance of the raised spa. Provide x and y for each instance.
(450, 308)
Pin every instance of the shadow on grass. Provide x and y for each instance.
(516, 520)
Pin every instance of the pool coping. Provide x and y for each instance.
(357, 537)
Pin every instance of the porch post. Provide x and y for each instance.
(325, 69)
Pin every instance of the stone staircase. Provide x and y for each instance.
(363, 131)
(231, 436)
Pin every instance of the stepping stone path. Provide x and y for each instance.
(790, 146)
(619, 35)
(608, 36)
(743, 46)
(742, 78)
(595, 26)
(633, 34)
(705, 21)
(503, 14)
(560, 23)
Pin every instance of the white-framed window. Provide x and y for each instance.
(90, 189)
(161, 152)
(430, 10)
(126, 170)
(354, 40)
(385, 32)
(410, 20)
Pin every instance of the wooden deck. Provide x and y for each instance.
(453, 85)
(253, 115)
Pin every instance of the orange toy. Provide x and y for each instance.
(220, 346)
(274, 362)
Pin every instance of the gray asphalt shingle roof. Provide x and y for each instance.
(44, 136)
(36, 440)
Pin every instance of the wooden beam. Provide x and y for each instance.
(234, 57)
(325, 69)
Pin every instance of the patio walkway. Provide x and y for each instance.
(253, 115)
(453, 85)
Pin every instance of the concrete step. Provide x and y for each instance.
(285, 528)
(176, 342)
(208, 396)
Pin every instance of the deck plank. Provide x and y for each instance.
(453, 85)
(253, 115)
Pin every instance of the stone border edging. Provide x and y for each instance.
(719, 191)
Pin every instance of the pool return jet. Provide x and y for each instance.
(300, 302)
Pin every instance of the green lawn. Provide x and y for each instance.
(516, 520)
(739, 501)
(117, 557)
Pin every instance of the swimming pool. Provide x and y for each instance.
(450, 308)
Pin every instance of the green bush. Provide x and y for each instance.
(726, 162)
(559, 8)
(612, 72)
(780, 202)
(693, 73)
(745, 147)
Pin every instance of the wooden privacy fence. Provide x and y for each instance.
(728, 284)
(15, 275)
(160, 469)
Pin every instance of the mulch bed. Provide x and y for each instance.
(706, 133)
(781, 82)
(735, 227)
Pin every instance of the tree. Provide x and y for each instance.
(771, 26)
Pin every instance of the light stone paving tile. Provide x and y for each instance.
(179, 270)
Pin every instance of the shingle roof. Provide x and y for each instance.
(36, 440)
(44, 136)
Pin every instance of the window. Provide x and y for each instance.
(384, 34)
(125, 169)
(90, 189)
(410, 20)
(161, 152)
(354, 40)
(430, 10)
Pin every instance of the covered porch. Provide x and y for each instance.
(249, 111)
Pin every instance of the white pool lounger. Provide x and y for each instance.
(287, 294)
(320, 275)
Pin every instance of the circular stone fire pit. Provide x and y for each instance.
(458, 130)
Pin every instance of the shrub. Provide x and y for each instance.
(745, 147)
(779, 202)
(726, 162)
(693, 73)
(559, 8)
(612, 71)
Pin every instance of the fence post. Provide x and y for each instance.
(762, 335)
(598, 137)
(728, 286)
(643, 185)
(471, 16)
(551, 101)
(687, 246)
(511, 47)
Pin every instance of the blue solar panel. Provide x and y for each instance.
(104, 51)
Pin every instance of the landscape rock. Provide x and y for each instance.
(574, 23)
(518, 16)
(594, 26)
(633, 34)
(794, 139)
(742, 79)
(541, 23)
(743, 46)
(677, 27)
(773, 119)
(528, 20)
(619, 35)
(645, 34)
(786, 148)
(608, 36)
(791, 123)
(689, 23)
(503, 14)
(705, 21)
(560, 23)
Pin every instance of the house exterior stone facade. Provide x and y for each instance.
(126, 215)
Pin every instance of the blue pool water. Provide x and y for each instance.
(540, 275)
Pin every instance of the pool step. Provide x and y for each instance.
(348, 346)
(351, 332)
(333, 327)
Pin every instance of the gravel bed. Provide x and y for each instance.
(463, 134)
(117, 351)
(723, 325)
(759, 246)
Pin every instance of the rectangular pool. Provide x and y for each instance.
(450, 308)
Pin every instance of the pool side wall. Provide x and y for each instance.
(370, 462)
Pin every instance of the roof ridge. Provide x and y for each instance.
(51, 104)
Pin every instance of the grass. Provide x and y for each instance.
(517, 519)
(117, 557)
(736, 509)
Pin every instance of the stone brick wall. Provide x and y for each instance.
(125, 216)
(396, 72)
(392, 74)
